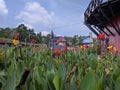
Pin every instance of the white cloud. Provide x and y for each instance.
(29, 26)
(34, 13)
(3, 8)
(82, 16)
(44, 33)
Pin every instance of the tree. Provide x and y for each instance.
(25, 33)
(74, 40)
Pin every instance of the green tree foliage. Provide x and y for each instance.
(6, 32)
(25, 33)
(29, 34)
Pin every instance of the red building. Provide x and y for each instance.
(103, 16)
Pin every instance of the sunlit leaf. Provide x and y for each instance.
(11, 82)
(117, 84)
(88, 82)
(116, 73)
(2, 80)
(20, 70)
(100, 84)
(61, 72)
(56, 81)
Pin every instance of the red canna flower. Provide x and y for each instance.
(86, 46)
(3, 41)
(17, 36)
(65, 49)
(44, 46)
(57, 52)
(101, 37)
(75, 49)
(82, 47)
(37, 48)
(33, 41)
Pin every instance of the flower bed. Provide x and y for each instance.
(36, 68)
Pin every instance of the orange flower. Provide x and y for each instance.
(15, 42)
(33, 41)
(17, 36)
(112, 49)
(82, 47)
(101, 37)
(57, 52)
(86, 46)
(37, 48)
(65, 49)
(3, 41)
(75, 49)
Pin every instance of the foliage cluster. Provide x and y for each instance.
(25, 68)
(28, 34)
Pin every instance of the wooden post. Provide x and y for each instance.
(91, 40)
(52, 46)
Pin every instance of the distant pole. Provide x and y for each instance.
(52, 36)
(29, 37)
(25, 42)
(91, 40)
(52, 45)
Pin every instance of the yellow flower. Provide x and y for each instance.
(114, 49)
(110, 47)
(82, 47)
(15, 42)
(1, 55)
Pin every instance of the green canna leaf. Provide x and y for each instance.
(88, 82)
(61, 72)
(100, 84)
(19, 71)
(50, 76)
(117, 84)
(116, 73)
(11, 82)
(2, 80)
(56, 81)
(94, 64)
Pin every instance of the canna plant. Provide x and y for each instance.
(31, 69)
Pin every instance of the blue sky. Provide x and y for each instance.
(64, 17)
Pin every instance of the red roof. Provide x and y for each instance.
(61, 39)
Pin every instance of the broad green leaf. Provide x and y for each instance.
(2, 73)
(31, 86)
(100, 84)
(10, 53)
(94, 64)
(2, 80)
(20, 70)
(24, 87)
(50, 76)
(45, 84)
(117, 84)
(40, 72)
(11, 69)
(92, 61)
(61, 72)
(36, 75)
(116, 74)
(11, 82)
(88, 82)
(72, 85)
(56, 81)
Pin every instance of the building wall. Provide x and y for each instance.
(114, 40)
